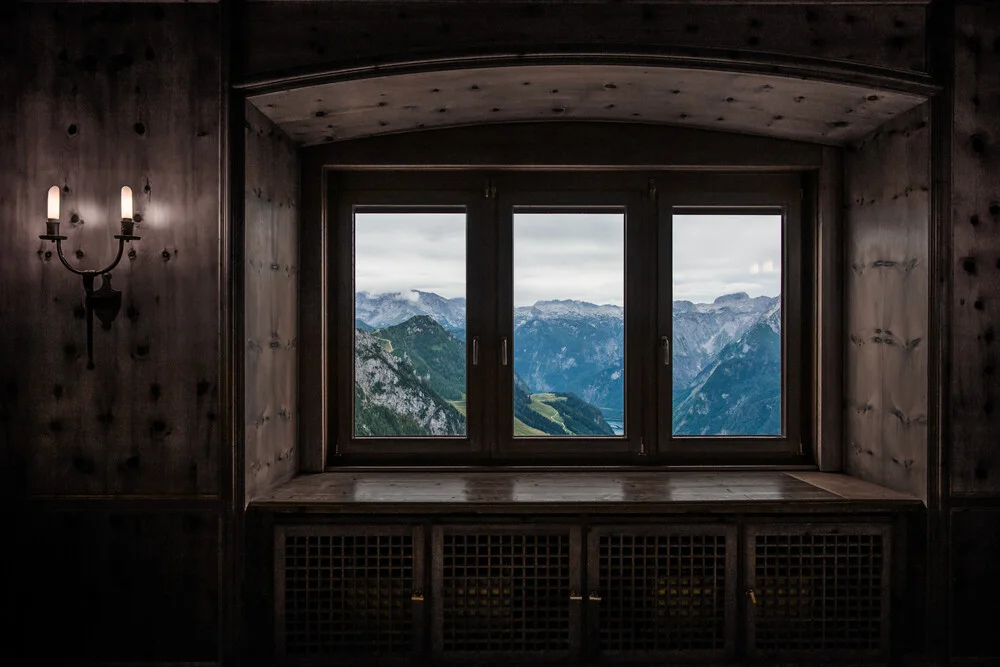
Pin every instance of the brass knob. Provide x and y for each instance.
(753, 598)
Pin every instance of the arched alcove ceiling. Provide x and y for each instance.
(763, 104)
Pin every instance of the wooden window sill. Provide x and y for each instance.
(626, 492)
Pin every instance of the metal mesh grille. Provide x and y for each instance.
(347, 594)
(819, 592)
(505, 592)
(662, 592)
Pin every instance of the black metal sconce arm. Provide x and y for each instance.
(106, 301)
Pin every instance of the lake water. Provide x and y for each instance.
(617, 426)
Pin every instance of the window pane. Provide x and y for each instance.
(409, 318)
(727, 325)
(569, 325)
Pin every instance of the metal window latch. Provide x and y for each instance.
(594, 597)
(642, 446)
(418, 596)
(665, 344)
(652, 189)
(503, 350)
(489, 189)
(475, 350)
(575, 597)
(753, 598)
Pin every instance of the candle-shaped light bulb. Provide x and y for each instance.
(126, 202)
(54, 203)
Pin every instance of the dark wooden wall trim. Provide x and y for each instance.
(232, 555)
(828, 307)
(941, 44)
(313, 334)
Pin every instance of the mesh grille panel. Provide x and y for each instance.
(819, 592)
(347, 593)
(505, 592)
(662, 592)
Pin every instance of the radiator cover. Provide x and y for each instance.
(347, 591)
(819, 589)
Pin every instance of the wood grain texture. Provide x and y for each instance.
(887, 189)
(271, 304)
(300, 35)
(499, 492)
(974, 419)
(132, 98)
(776, 106)
(119, 586)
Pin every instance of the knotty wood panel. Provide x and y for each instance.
(271, 289)
(107, 95)
(777, 106)
(118, 586)
(974, 419)
(887, 229)
(298, 35)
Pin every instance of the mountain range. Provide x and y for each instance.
(569, 366)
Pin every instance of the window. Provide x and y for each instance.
(568, 351)
(569, 318)
(409, 322)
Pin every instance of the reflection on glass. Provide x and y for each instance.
(726, 347)
(409, 319)
(569, 326)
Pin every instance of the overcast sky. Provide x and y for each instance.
(568, 256)
(716, 255)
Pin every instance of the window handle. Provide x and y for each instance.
(503, 350)
(665, 344)
(475, 350)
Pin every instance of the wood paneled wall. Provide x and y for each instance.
(887, 226)
(113, 95)
(972, 432)
(282, 36)
(271, 302)
(975, 315)
(120, 560)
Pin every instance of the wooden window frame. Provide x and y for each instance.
(490, 195)
(741, 194)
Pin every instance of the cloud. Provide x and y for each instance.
(399, 252)
(568, 255)
(577, 256)
(723, 254)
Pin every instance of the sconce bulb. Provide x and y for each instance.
(126, 203)
(53, 203)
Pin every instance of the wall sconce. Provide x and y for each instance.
(105, 302)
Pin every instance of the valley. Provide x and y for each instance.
(568, 358)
